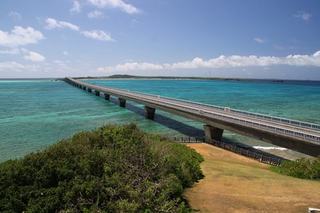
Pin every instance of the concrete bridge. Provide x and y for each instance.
(300, 136)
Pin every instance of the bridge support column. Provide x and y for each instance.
(149, 112)
(84, 88)
(212, 133)
(89, 90)
(122, 102)
(106, 96)
(97, 93)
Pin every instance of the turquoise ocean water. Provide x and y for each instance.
(37, 113)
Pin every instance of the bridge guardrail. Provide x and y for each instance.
(255, 124)
(273, 129)
(239, 121)
(251, 124)
(261, 126)
(257, 115)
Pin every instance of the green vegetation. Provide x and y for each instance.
(301, 168)
(111, 169)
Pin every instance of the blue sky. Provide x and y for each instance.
(217, 38)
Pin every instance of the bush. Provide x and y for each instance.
(301, 168)
(111, 169)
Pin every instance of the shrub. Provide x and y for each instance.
(301, 168)
(111, 169)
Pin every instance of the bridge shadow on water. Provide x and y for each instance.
(191, 131)
(194, 132)
(178, 126)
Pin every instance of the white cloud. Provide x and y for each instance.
(53, 24)
(20, 36)
(15, 15)
(14, 69)
(93, 34)
(234, 61)
(95, 14)
(65, 53)
(259, 40)
(97, 35)
(32, 56)
(76, 7)
(303, 15)
(10, 65)
(27, 55)
(120, 4)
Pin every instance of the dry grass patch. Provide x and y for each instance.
(234, 183)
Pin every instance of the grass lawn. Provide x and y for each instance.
(234, 183)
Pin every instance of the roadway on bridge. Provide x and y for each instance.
(283, 132)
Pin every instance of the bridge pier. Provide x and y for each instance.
(84, 88)
(89, 90)
(106, 96)
(149, 112)
(212, 133)
(97, 93)
(122, 102)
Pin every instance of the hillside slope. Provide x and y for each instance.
(234, 183)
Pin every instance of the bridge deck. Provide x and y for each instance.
(302, 131)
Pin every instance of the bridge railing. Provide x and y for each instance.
(228, 118)
(266, 127)
(280, 119)
(228, 109)
(245, 122)
(255, 124)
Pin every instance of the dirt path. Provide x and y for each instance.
(234, 183)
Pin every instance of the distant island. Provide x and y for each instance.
(140, 77)
(124, 76)
(134, 77)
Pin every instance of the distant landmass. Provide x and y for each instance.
(120, 76)
(169, 77)
(125, 76)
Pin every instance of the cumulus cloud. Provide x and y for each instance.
(97, 35)
(20, 36)
(93, 34)
(55, 24)
(303, 15)
(32, 56)
(95, 14)
(76, 7)
(10, 65)
(120, 4)
(259, 40)
(234, 61)
(27, 54)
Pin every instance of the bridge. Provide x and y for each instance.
(300, 136)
